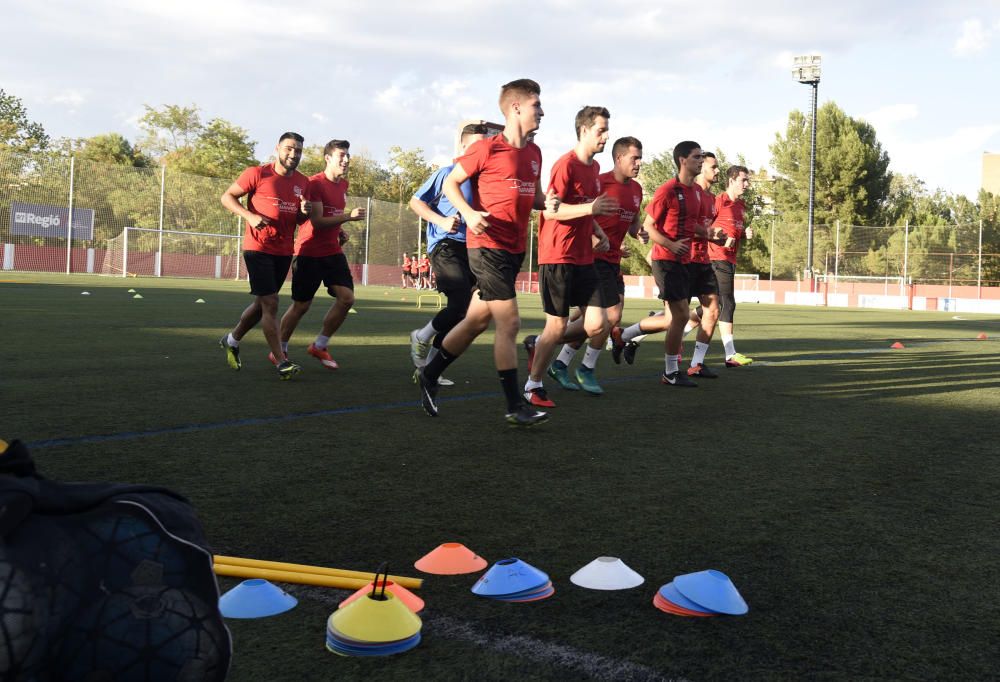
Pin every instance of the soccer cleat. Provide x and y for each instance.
(288, 369)
(738, 360)
(418, 350)
(441, 380)
(677, 379)
(631, 348)
(588, 382)
(529, 346)
(559, 372)
(428, 394)
(526, 416)
(538, 397)
(232, 353)
(703, 371)
(270, 358)
(617, 345)
(323, 355)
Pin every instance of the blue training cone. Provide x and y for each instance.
(255, 598)
(509, 577)
(672, 595)
(712, 591)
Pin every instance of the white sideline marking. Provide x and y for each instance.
(592, 665)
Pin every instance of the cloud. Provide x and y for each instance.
(974, 38)
(71, 98)
(885, 117)
(319, 117)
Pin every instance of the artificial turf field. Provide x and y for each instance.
(849, 490)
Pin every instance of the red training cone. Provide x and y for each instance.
(897, 345)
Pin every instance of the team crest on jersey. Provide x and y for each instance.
(297, 190)
(534, 168)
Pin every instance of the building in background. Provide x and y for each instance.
(991, 173)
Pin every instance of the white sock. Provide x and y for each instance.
(531, 384)
(631, 332)
(231, 341)
(284, 347)
(700, 349)
(426, 333)
(590, 357)
(321, 341)
(730, 345)
(566, 354)
(671, 361)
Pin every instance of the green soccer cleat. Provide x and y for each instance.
(288, 369)
(232, 353)
(585, 375)
(526, 415)
(738, 360)
(559, 372)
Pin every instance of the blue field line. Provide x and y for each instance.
(256, 421)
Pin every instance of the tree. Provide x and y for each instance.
(171, 129)
(221, 150)
(110, 148)
(17, 132)
(407, 171)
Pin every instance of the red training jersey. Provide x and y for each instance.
(728, 216)
(406, 263)
(425, 265)
(674, 209)
(629, 196)
(706, 209)
(575, 182)
(276, 197)
(323, 241)
(504, 179)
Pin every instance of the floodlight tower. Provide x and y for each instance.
(806, 70)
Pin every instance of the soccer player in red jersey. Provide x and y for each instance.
(277, 202)
(405, 274)
(700, 272)
(730, 209)
(319, 254)
(425, 272)
(673, 219)
(567, 276)
(505, 171)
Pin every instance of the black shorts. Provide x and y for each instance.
(702, 279)
(672, 280)
(609, 276)
(564, 285)
(309, 271)
(267, 272)
(450, 261)
(496, 272)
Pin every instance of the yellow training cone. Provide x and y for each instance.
(382, 618)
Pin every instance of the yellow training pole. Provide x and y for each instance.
(410, 583)
(290, 577)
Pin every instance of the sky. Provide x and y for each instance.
(404, 73)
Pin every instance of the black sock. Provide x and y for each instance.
(511, 388)
(438, 338)
(435, 368)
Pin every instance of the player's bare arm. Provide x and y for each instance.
(475, 221)
(602, 205)
(424, 210)
(600, 239)
(231, 200)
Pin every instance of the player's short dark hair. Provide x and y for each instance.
(683, 150)
(522, 87)
(734, 172)
(587, 116)
(622, 145)
(709, 155)
(291, 136)
(336, 144)
(474, 129)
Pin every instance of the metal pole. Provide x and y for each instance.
(979, 278)
(368, 233)
(770, 273)
(836, 259)
(125, 252)
(69, 223)
(159, 248)
(812, 181)
(951, 271)
(906, 254)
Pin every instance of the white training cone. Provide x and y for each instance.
(85, 293)
(200, 300)
(137, 296)
(131, 291)
(606, 573)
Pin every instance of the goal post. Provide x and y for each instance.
(173, 253)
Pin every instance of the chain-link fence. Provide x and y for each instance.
(178, 227)
(922, 254)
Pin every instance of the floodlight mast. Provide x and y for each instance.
(806, 70)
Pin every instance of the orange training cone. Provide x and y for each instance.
(981, 337)
(451, 558)
(897, 345)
